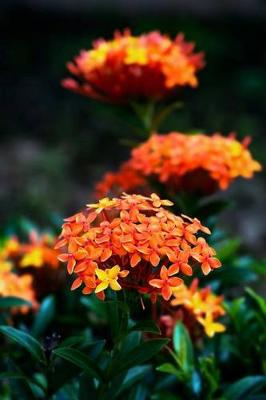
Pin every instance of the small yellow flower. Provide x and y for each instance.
(136, 55)
(103, 203)
(211, 327)
(108, 278)
(32, 259)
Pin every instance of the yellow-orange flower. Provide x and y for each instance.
(198, 308)
(39, 252)
(194, 162)
(132, 242)
(13, 285)
(127, 67)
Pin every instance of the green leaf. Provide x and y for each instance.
(137, 355)
(183, 348)
(168, 368)
(12, 375)
(134, 375)
(44, 316)
(259, 300)
(245, 386)
(87, 389)
(72, 341)
(25, 340)
(87, 364)
(8, 302)
(146, 326)
(228, 249)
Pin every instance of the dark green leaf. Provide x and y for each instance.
(258, 300)
(146, 326)
(134, 375)
(183, 348)
(25, 340)
(44, 316)
(84, 362)
(87, 389)
(8, 302)
(245, 386)
(138, 355)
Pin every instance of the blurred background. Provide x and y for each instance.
(55, 144)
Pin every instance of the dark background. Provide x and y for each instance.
(56, 144)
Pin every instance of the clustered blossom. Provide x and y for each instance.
(133, 242)
(184, 162)
(37, 252)
(125, 179)
(199, 309)
(128, 67)
(28, 269)
(13, 285)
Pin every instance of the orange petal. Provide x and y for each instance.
(134, 260)
(205, 266)
(77, 283)
(154, 259)
(156, 283)
(71, 265)
(186, 269)
(174, 269)
(215, 263)
(175, 281)
(164, 273)
(63, 257)
(106, 254)
(166, 292)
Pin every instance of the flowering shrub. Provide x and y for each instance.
(163, 312)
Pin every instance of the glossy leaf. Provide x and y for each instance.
(44, 316)
(9, 302)
(183, 348)
(24, 340)
(138, 355)
(87, 364)
(245, 386)
(146, 326)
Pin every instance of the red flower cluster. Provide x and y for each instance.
(129, 67)
(184, 162)
(133, 242)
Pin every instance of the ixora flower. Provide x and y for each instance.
(129, 67)
(199, 309)
(36, 258)
(13, 285)
(133, 242)
(192, 163)
(38, 252)
(125, 179)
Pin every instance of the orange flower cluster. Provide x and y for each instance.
(133, 242)
(175, 155)
(126, 179)
(37, 253)
(23, 268)
(185, 162)
(13, 285)
(129, 67)
(199, 310)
